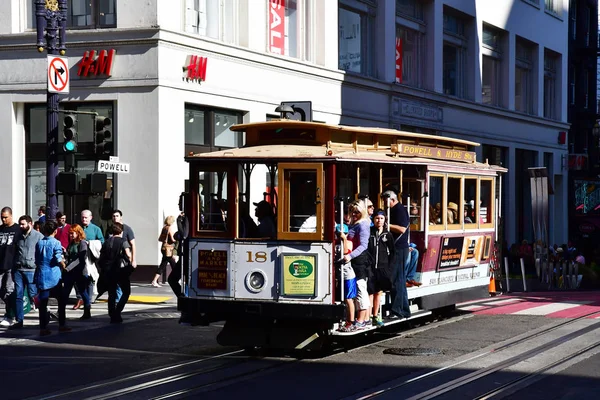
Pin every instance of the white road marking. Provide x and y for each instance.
(550, 308)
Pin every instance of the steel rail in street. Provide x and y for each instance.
(506, 346)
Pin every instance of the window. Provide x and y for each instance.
(300, 206)
(85, 14)
(289, 25)
(491, 63)
(551, 61)
(436, 202)
(454, 214)
(414, 190)
(524, 77)
(553, 6)
(454, 70)
(470, 211)
(410, 46)
(410, 8)
(454, 57)
(35, 156)
(208, 129)
(215, 19)
(573, 18)
(212, 201)
(486, 204)
(354, 38)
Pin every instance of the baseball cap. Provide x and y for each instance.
(390, 194)
(263, 205)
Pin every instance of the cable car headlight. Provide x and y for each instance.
(256, 280)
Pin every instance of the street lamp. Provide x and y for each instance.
(51, 17)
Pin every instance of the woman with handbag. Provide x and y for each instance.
(167, 248)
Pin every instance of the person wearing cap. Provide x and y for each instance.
(399, 225)
(266, 223)
(381, 247)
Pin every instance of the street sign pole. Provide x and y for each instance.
(51, 17)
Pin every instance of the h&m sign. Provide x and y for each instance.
(96, 64)
(195, 68)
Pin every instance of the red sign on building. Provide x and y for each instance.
(398, 60)
(277, 26)
(195, 68)
(94, 66)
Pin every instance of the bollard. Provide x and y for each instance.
(523, 275)
(537, 268)
(575, 275)
(506, 274)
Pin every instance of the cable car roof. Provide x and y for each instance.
(292, 124)
(309, 153)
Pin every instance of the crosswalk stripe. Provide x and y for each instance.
(549, 308)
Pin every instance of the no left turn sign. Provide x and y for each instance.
(58, 74)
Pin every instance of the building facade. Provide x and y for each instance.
(176, 74)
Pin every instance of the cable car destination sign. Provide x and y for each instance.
(432, 152)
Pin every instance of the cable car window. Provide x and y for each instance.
(436, 202)
(212, 201)
(454, 215)
(470, 211)
(487, 201)
(300, 208)
(257, 203)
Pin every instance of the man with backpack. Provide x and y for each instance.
(115, 268)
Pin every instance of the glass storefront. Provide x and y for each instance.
(100, 204)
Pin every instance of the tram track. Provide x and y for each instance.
(479, 374)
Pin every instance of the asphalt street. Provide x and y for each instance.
(98, 353)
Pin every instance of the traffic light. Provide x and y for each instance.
(67, 182)
(102, 146)
(70, 133)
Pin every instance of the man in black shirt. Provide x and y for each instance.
(399, 226)
(9, 234)
(128, 235)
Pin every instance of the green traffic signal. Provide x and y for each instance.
(70, 146)
(70, 133)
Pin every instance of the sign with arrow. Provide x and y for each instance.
(58, 74)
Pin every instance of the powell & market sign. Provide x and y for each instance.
(433, 152)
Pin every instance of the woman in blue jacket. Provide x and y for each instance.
(50, 263)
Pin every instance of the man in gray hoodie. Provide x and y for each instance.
(25, 266)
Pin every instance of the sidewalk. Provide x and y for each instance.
(144, 298)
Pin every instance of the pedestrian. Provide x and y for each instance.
(9, 234)
(76, 273)
(48, 277)
(399, 226)
(37, 226)
(360, 259)
(42, 214)
(180, 236)
(128, 235)
(115, 269)
(25, 267)
(62, 233)
(167, 238)
(92, 233)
